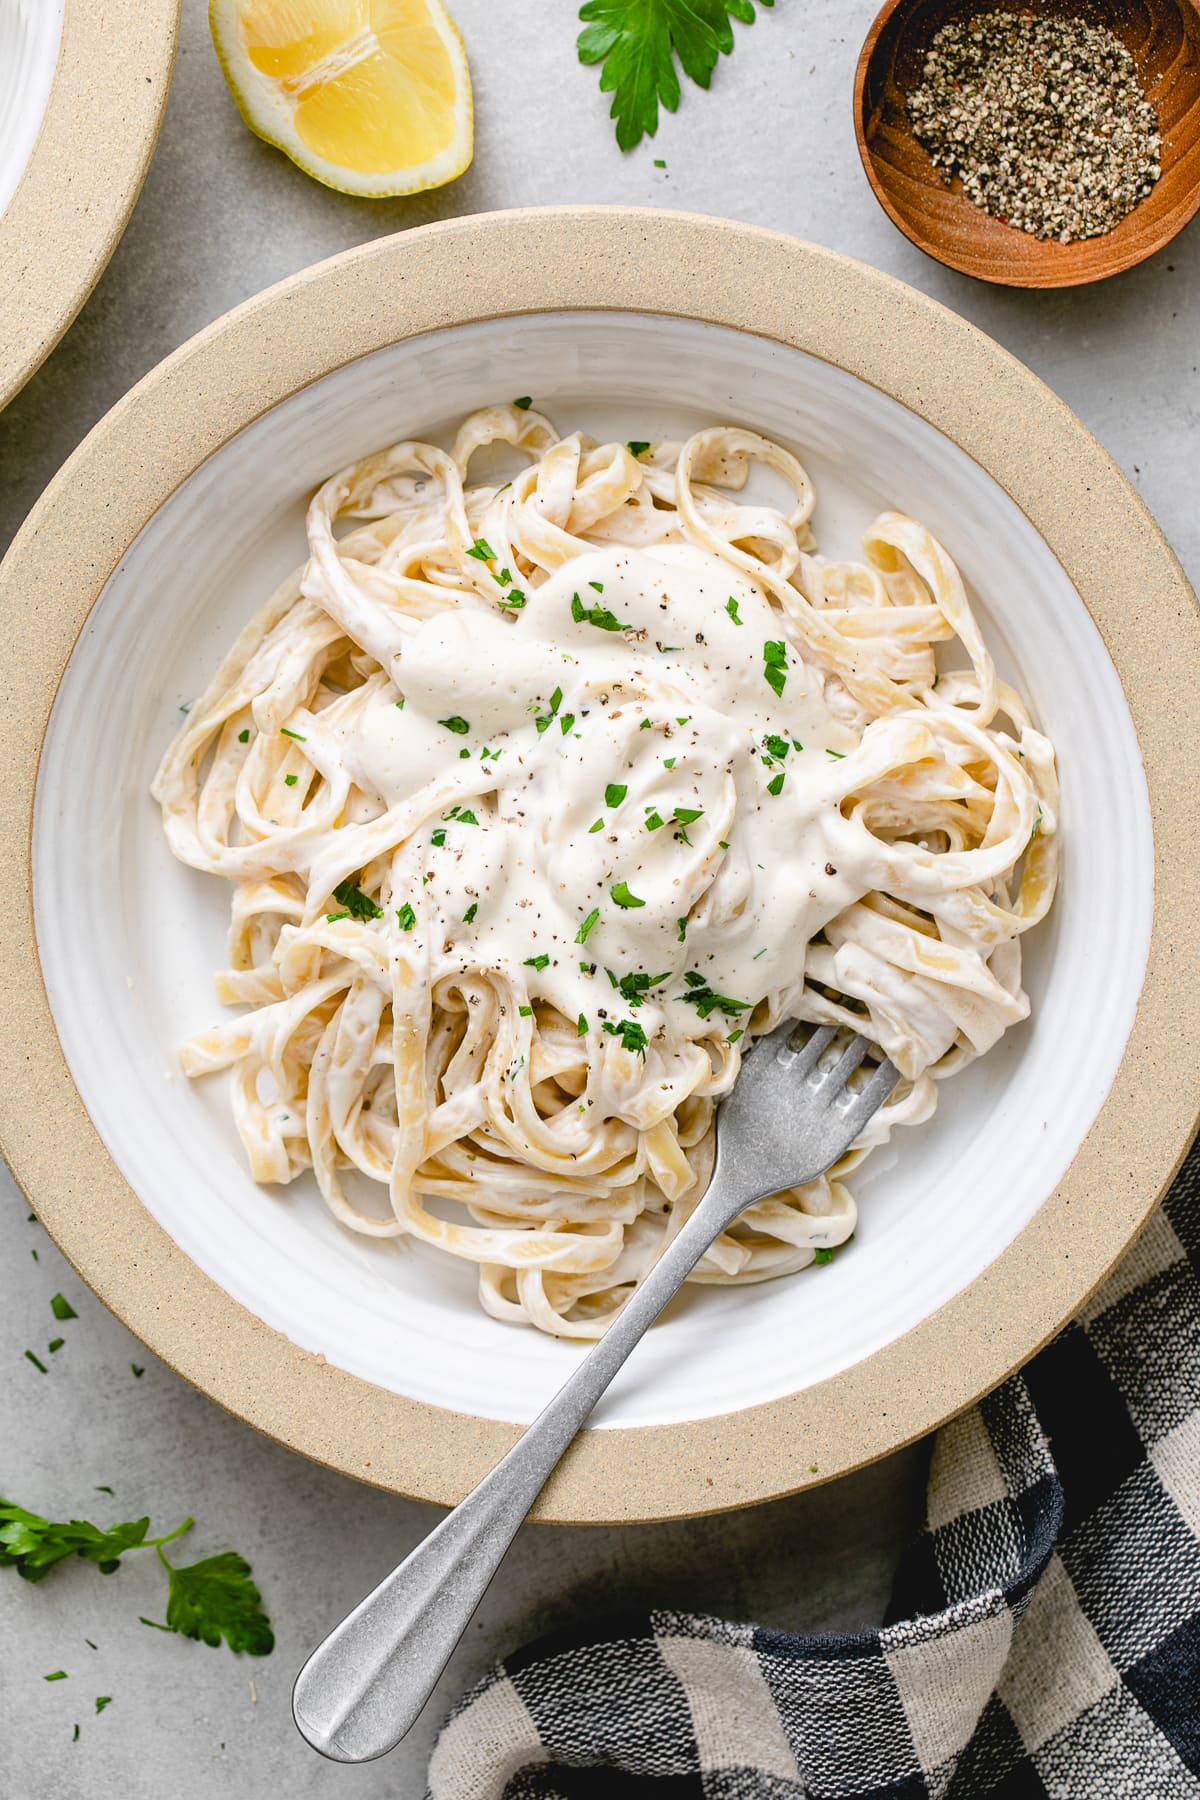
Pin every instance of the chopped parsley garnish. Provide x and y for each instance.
(731, 607)
(777, 746)
(545, 720)
(636, 447)
(513, 601)
(735, 1035)
(621, 894)
(687, 815)
(284, 732)
(775, 664)
(406, 918)
(469, 915)
(400, 704)
(138, 1371)
(614, 793)
(481, 550)
(58, 1675)
(439, 837)
(825, 1254)
(653, 820)
(598, 826)
(581, 936)
(523, 403)
(36, 1361)
(681, 926)
(244, 736)
(598, 585)
(599, 616)
(290, 780)
(686, 720)
(669, 762)
(456, 724)
(581, 1026)
(566, 722)
(356, 903)
(537, 962)
(463, 755)
(504, 577)
(332, 918)
(634, 987)
(630, 1033)
(526, 1012)
(62, 1309)
(461, 815)
(775, 785)
(102, 1701)
(839, 754)
(702, 997)
(722, 843)
(55, 1344)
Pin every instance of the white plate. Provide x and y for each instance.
(129, 939)
(30, 34)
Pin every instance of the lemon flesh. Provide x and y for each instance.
(370, 96)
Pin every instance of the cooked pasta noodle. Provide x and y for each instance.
(541, 799)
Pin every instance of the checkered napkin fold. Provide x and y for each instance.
(1043, 1637)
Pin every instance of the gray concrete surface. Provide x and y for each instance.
(220, 217)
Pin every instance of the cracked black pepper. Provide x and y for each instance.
(1043, 120)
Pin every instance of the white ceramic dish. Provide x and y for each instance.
(30, 34)
(129, 940)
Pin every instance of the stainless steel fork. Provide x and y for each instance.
(787, 1120)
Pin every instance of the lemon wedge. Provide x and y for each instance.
(369, 96)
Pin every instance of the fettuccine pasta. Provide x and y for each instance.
(542, 797)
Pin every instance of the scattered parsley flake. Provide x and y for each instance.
(290, 780)
(653, 820)
(669, 762)
(513, 601)
(581, 1026)
(598, 585)
(840, 755)
(825, 1255)
(356, 903)
(439, 837)
(581, 936)
(102, 1701)
(469, 915)
(702, 997)
(138, 1370)
(659, 163)
(598, 826)
(775, 664)
(621, 894)
(566, 722)
(400, 704)
(681, 926)
(731, 607)
(58, 1675)
(284, 732)
(244, 736)
(537, 962)
(526, 1012)
(636, 447)
(456, 724)
(778, 746)
(735, 1035)
(775, 785)
(62, 1309)
(524, 403)
(687, 815)
(37, 1362)
(482, 551)
(55, 1344)
(599, 616)
(631, 1035)
(614, 793)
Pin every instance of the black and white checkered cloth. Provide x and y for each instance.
(1043, 1638)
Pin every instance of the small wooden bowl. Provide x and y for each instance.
(1163, 37)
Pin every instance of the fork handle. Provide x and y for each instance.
(363, 1687)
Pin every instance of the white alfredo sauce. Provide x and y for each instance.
(675, 706)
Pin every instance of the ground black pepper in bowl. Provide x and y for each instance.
(1043, 119)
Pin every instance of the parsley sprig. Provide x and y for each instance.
(638, 42)
(210, 1600)
(702, 997)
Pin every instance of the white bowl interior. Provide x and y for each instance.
(130, 940)
(30, 34)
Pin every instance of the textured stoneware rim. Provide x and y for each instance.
(88, 164)
(902, 343)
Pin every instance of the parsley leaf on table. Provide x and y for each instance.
(215, 1599)
(208, 1600)
(638, 41)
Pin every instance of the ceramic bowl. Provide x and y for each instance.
(979, 1234)
(82, 92)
